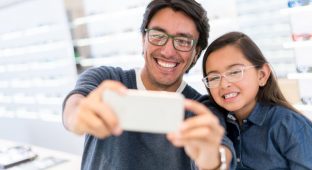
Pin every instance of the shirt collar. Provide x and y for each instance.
(139, 81)
(141, 86)
(259, 114)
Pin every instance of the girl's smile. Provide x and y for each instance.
(238, 86)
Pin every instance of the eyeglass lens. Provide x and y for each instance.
(214, 79)
(160, 38)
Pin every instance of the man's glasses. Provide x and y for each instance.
(160, 38)
(236, 74)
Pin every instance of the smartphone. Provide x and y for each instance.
(147, 111)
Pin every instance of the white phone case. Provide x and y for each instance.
(147, 111)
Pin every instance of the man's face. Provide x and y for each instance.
(164, 65)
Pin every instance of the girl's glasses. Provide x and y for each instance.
(213, 80)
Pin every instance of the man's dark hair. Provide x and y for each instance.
(191, 8)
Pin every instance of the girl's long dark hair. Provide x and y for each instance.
(270, 93)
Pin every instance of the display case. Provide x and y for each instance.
(262, 21)
(112, 35)
(301, 43)
(37, 66)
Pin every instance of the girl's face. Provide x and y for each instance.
(236, 93)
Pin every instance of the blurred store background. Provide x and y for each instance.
(46, 44)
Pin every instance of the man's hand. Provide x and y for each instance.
(91, 115)
(200, 136)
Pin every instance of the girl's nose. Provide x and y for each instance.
(224, 83)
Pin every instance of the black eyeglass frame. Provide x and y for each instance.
(173, 37)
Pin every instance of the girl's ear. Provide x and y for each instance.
(264, 74)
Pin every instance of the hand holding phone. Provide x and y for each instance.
(147, 111)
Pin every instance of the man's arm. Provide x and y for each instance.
(70, 106)
(91, 115)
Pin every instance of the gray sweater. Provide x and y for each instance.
(131, 150)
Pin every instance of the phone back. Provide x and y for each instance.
(147, 111)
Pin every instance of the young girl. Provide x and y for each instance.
(267, 132)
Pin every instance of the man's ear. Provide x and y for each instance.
(143, 43)
(264, 74)
(143, 39)
(197, 50)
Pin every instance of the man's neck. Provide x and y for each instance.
(150, 86)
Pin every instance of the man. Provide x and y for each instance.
(174, 33)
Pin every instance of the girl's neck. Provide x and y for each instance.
(244, 112)
(241, 116)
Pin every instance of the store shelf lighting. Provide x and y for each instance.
(105, 16)
(136, 60)
(29, 32)
(305, 76)
(299, 9)
(298, 44)
(105, 39)
(32, 49)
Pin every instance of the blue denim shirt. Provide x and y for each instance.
(272, 137)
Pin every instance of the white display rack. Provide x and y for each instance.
(111, 33)
(300, 25)
(305, 109)
(298, 44)
(37, 66)
(262, 21)
(102, 17)
(123, 61)
(295, 10)
(302, 76)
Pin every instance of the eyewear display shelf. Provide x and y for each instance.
(302, 45)
(112, 36)
(262, 21)
(37, 66)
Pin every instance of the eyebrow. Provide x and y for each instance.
(228, 67)
(178, 34)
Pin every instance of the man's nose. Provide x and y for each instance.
(168, 49)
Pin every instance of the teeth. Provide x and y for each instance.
(230, 95)
(165, 64)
